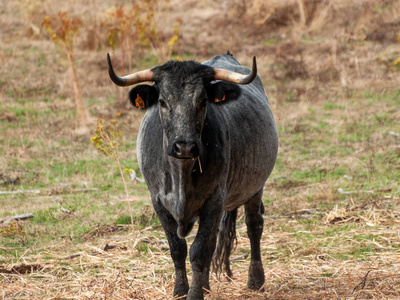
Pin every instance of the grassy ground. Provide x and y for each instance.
(332, 218)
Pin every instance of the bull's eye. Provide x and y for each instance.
(163, 104)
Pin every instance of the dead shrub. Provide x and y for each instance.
(327, 72)
(275, 13)
(290, 68)
(33, 12)
(383, 31)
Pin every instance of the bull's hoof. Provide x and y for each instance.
(181, 287)
(180, 292)
(256, 276)
(195, 294)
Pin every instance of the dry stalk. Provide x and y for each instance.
(300, 4)
(63, 31)
(106, 142)
(82, 116)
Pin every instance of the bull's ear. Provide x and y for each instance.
(143, 96)
(222, 91)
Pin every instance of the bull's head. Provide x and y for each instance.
(182, 91)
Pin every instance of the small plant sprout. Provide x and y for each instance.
(130, 173)
(174, 38)
(15, 230)
(106, 142)
(396, 64)
(63, 31)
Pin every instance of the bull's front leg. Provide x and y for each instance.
(203, 247)
(177, 247)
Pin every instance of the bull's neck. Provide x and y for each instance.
(177, 182)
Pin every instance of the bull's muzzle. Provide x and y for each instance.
(184, 150)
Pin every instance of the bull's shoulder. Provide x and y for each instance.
(227, 62)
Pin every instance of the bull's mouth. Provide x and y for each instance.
(187, 157)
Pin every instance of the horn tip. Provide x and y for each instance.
(114, 77)
(109, 60)
(254, 64)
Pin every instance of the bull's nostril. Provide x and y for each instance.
(194, 150)
(177, 149)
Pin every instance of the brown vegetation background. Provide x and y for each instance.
(331, 70)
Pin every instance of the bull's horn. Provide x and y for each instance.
(221, 74)
(141, 76)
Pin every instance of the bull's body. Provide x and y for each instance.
(237, 151)
(240, 146)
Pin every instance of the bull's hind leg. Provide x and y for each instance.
(254, 209)
(177, 247)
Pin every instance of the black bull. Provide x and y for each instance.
(206, 146)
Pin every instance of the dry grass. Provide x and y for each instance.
(115, 269)
(329, 70)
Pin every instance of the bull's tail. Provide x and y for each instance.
(226, 241)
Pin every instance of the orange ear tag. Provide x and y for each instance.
(219, 100)
(139, 102)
